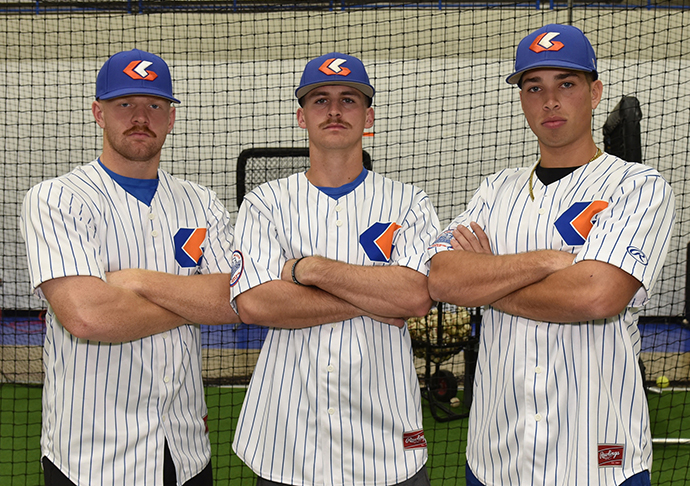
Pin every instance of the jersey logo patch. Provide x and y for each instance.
(236, 267)
(377, 241)
(137, 70)
(414, 440)
(611, 455)
(188, 249)
(575, 223)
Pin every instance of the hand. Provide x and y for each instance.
(129, 278)
(474, 240)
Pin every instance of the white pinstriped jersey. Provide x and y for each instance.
(564, 404)
(336, 404)
(108, 408)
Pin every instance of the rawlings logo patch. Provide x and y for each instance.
(610, 455)
(414, 440)
(638, 255)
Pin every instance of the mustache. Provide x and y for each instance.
(145, 130)
(336, 121)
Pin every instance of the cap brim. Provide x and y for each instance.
(365, 89)
(516, 76)
(132, 92)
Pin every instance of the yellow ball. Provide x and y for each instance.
(662, 382)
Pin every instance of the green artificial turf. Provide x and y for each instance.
(20, 427)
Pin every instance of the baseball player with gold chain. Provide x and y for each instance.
(562, 255)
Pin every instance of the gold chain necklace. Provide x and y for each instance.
(531, 174)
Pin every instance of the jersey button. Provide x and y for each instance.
(542, 211)
(154, 233)
(339, 223)
(338, 207)
(331, 368)
(152, 216)
(537, 370)
(166, 379)
(538, 417)
(331, 411)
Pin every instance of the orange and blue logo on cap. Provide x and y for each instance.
(188, 249)
(576, 222)
(137, 70)
(377, 241)
(546, 42)
(334, 66)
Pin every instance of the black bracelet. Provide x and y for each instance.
(294, 279)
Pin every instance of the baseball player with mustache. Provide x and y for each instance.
(331, 260)
(130, 259)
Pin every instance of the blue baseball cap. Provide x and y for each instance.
(554, 46)
(334, 68)
(134, 72)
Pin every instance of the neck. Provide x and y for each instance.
(147, 169)
(572, 156)
(333, 168)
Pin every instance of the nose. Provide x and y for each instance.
(551, 101)
(140, 115)
(334, 110)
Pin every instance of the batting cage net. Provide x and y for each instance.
(445, 119)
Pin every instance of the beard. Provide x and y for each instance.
(140, 150)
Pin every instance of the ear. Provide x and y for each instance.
(300, 118)
(369, 122)
(597, 92)
(172, 118)
(97, 111)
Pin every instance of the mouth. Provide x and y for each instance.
(332, 125)
(554, 122)
(140, 132)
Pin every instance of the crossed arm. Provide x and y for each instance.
(541, 285)
(136, 303)
(332, 291)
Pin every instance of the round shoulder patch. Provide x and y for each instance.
(237, 267)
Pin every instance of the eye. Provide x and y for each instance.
(567, 84)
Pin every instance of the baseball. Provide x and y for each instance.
(662, 382)
(455, 402)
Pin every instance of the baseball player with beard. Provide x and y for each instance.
(129, 259)
(562, 255)
(332, 260)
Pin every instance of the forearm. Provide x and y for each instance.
(473, 279)
(285, 305)
(392, 291)
(587, 291)
(201, 299)
(91, 309)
